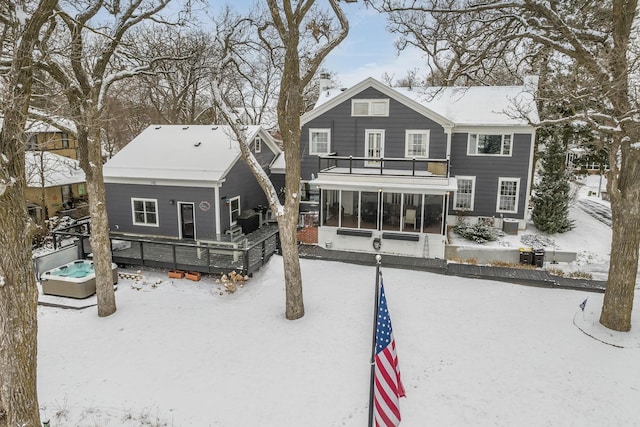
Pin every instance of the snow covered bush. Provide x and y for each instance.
(479, 232)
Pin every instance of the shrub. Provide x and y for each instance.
(479, 232)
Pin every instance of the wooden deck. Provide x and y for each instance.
(245, 256)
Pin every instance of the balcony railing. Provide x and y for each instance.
(383, 166)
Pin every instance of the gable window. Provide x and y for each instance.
(65, 140)
(145, 212)
(417, 143)
(370, 107)
(234, 209)
(489, 145)
(508, 195)
(319, 141)
(257, 144)
(464, 196)
(374, 146)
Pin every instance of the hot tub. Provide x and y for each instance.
(75, 279)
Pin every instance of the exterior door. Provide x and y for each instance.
(187, 228)
(374, 146)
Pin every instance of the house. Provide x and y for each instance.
(389, 169)
(50, 137)
(55, 182)
(55, 186)
(186, 182)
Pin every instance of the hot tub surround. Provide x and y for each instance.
(64, 280)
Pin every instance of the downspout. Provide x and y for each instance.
(216, 192)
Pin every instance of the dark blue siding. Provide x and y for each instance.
(487, 170)
(348, 133)
(120, 211)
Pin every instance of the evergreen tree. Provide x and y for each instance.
(551, 194)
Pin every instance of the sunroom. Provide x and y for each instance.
(397, 210)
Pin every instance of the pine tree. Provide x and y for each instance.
(551, 195)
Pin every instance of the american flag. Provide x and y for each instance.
(388, 387)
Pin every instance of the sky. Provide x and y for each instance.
(471, 352)
(368, 50)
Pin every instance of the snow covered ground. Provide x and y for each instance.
(471, 352)
(590, 239)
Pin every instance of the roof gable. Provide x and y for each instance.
(448, 106)
(331, 99)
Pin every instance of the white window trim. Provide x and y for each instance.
(367, 132)
(133, 212)
(489, 155)
(500, 181)
(257, 144)
(410, 132)
(473, 194)
(231, 221)
(370, 102)
(319, 130)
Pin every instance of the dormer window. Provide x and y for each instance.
(370, 107)
(257, 144)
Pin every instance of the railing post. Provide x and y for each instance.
(350, 165)
(319, 163)
(175, 261)
(413, 167)
(141, 252)
(381, 165)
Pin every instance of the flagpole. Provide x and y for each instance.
(373, 344)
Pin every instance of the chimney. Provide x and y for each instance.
(325, 81)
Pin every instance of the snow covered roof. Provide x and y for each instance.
(450, 106)
(57, 170)
(199, 155)
(58, 124)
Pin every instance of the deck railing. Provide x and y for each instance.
(383, 166)
(212, 257)
(209, 257)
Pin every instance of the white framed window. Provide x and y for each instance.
(374, 146)
(145, 212)
(480, 144)
(465, 194)
(319, 141)
(417, 143)
(257, 144)
(234, 209)
(508, 195)
(370, 107)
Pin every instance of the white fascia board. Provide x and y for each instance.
(268, 139)
(407, 184)
(493, 129)
(389, 91)
(163, 182)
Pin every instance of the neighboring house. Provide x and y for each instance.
(55, 186)
(185, 182)
(390, 168)
(49, 137)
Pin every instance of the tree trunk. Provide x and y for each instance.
(623, 267)
(287, 225)
(18, 291)
(100, 243)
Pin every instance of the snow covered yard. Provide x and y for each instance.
(471, 352)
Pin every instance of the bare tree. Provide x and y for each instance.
(85, 56)
(18, 291)
(296, 37)
(599, 41)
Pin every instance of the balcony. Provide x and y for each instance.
(383, 166)
(427, 176)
